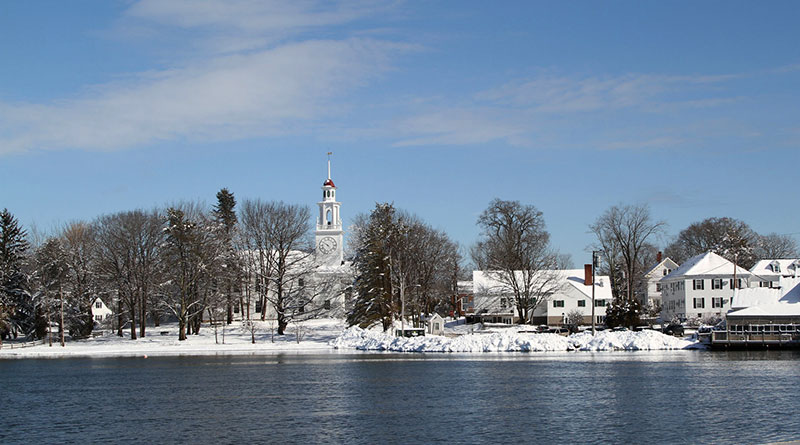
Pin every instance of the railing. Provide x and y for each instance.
(753, 337)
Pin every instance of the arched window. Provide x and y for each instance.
(328, 217)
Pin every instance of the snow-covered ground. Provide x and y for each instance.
(511, 341)
(315, 338)
(329, 335)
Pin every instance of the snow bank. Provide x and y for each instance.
(366, 340)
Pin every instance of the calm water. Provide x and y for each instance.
(676, 397)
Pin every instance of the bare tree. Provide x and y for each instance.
(623, 233)
(78, 241)
(728, 237)
(514, 250)
(127, 260)
(776, 246)
(190, 253)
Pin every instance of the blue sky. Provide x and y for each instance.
(691, 107)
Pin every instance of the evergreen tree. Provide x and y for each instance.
(225, 216)
(375, 242)
(16, 305)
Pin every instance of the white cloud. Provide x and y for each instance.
(231, 97)
(243, 83)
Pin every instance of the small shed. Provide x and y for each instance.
(435, 324)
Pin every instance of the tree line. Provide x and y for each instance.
(184, 263)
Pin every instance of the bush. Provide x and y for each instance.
(624, 312)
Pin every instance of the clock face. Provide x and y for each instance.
(327, 245)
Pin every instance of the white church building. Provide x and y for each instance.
(328, 283)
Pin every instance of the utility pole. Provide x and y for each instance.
(594, 266)
(61, 295)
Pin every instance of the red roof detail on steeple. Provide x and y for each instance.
(329, 182)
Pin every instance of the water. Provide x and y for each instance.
(670, 397)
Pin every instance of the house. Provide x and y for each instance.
(769, 273)
(463, 302)
(100, 312)
(703, 286)
(435, 324)
(653, 277)
(571, 290)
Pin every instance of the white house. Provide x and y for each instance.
(494, 301)
(654, 276)
(769, 273)
(100, 312)
(701, 287)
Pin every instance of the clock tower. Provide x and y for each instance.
(329, 234)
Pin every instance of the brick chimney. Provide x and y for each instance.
(587, 274)
(658, 257)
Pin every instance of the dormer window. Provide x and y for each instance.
(776, 266)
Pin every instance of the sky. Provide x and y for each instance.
(437, 106)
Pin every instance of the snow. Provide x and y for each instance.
(510, 341)
(332, 336)
(317, 334)
(708, 263)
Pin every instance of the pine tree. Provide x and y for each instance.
(15, 300)
(225, 216)
(373, 260)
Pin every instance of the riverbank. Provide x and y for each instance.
(329, 335)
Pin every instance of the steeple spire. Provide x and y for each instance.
(329, 164)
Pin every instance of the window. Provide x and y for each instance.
(699, 303)
(98, 317)
(558, 303)
(716, 302)
(716, 283)
(258, 306)
(436, 326)
(764, 283)
(235, 308)
(697, 284)
(738, 283)
(98, 305)
(599, 303)
(327, 305)
(776, 267)
(581, 303)
(658, 287)
(302, 309)
(666, 272)
(301, 282)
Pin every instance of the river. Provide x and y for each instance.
(625, 397)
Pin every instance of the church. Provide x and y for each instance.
(321, 283)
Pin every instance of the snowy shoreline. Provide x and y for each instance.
(333, 337)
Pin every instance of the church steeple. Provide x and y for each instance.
(329, 234)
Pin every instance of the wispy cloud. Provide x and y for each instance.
(260, 91)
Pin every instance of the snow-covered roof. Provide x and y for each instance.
(787, 267)
(708, 263)
(666, 262)
(487, 281)
(766, 301)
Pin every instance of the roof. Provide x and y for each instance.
(708, 263)
(788, 267)
(666, 262)
(569, 277)
(329, 182)
(766, 301)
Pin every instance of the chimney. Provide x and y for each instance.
(658, 257)
(587, 274)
